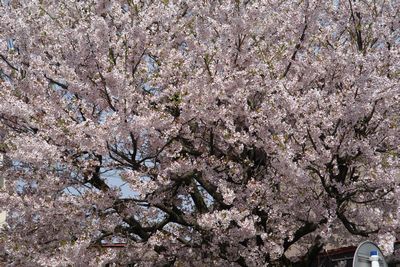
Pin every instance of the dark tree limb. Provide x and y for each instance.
(306, 229)
(296, 49)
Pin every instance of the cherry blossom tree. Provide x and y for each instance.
(250, 133)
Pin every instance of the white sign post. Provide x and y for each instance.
(368, 255)
(2, 181)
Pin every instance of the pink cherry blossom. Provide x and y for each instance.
(197, 133)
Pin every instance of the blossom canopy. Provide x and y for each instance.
(248, 133)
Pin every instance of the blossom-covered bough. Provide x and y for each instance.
(249, 132)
